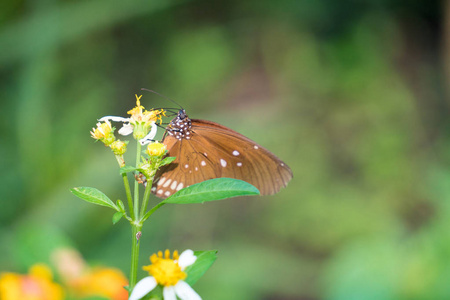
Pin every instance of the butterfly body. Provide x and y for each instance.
(206, 150)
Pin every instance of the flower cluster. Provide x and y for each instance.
(84, 281)
(36, 285)
(141, 123)
(77, 280)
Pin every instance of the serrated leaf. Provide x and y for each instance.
(204, 261)
(117, 216)
(167, 161)
(213, 189)
(127, 169)
(93, 195)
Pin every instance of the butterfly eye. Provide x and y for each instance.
(182, 114)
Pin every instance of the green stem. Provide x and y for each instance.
(134, 254)
(136, 183)
(135, 227)
(151, 211)
(126, 183)
(147, 193)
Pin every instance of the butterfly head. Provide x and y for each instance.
(180, 126)
(182, 114)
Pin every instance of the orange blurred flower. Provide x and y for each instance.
(105, 282)
(36, 285)
(84, 281)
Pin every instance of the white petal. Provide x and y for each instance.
(150, 136)
(144, 141)
(185, 292)
(143, 287)
(169, 293)
(126, 129)
(115, 119)
(186, 259)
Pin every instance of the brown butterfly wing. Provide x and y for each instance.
(215, 151)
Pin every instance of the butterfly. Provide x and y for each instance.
(206, 150)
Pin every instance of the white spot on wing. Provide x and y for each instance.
(239, 164)
(223, 162)
(196, 168)
(186, 166)
(205, 154)
(161, 181)
(173, 185)
(282, 164)
(166, 184)
(256, 147)
(167, 194)
(203, 163)
(236, 153)
(159, 192)
(180, 186)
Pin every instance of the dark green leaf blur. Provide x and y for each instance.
(352, 95)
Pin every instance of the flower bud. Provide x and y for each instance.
(156, 149)
(119, 147)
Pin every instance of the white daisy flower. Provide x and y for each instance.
(170, 274)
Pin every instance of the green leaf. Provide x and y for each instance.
(117, 216)
(167, 161)
(93, 195)
(127, 169)
(119, 204)
(204, 261)
(213, 189)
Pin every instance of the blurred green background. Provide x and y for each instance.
(353, 95)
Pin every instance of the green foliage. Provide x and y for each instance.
(117, 216)
(127, 169)
(211, 190)
(204, 261)
(343, 92)
(94, 196)
(120, 206)
(167, 161)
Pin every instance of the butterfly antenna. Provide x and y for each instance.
(167, 98)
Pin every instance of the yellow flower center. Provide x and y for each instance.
(165, 270)
(103, 130)
(138, 114)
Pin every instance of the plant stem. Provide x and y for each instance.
(147, 193)
(126, 183)
(136, 227)
(151, 211)
(134, 254)
(136, 183)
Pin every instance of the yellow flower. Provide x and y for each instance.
(156, 149)
(168, 272)
(138, 114)
(37, 285)
(141, 123)
(103, 132)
